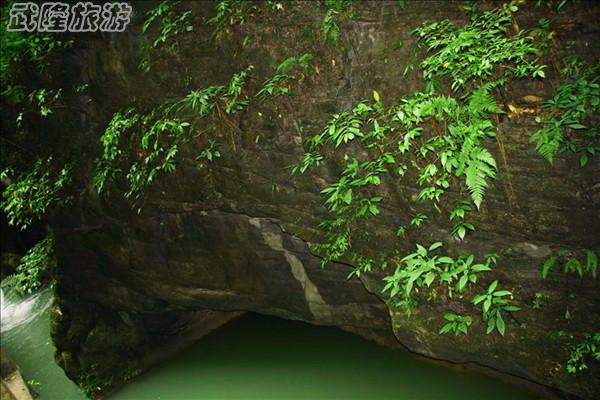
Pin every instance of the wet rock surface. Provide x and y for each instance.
(13, 386)
(236, 237)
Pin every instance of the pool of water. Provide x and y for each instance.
(25, 339)
(258, 357)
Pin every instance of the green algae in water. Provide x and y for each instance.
(259, 357)
(26, 341)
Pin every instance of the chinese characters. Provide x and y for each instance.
(63, 17)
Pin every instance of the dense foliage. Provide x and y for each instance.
(171, 26)
(437, 139)
(442, 137)
(32, 194)
(156, 136)
(28, 276)
(576, 100)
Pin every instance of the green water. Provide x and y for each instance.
(26, 340)
(259, 357)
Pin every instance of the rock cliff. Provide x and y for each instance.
(235, 235)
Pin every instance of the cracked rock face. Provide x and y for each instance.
(202, 260)
(235, 237)
(175, 264)
(320, 310)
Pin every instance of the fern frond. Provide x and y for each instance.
(548, 141)
(12, 285)
(10, 282)
(482, 101)
(485, 156)
(480, 167)
(439, 106)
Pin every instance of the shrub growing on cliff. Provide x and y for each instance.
(570, 262)
(34, 193)
(28, 276)
(169, 25)
(144, 145)
(469, 53)
(229, 12)
(23, 50)
(493, 304)
(581, 353)
(441, 138)
(279, 83)
(456, 324)
(330, 25)
(567, 121)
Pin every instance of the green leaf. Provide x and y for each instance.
(450, 317)
(376, 96)
(500, 324)
(429, 278)
(478, 299)
(592, 262)
(491, 324)
(573, 265)
(501, 293)
(348, 196)
(481, 166)
(408, 287)
(480, 268)
(469, 260)
(373, 209)
(548, 264)
(436, 245)
(446, 328)
(286, 65)
(486, 305)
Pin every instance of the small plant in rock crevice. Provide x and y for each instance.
(229, 13)
(279, 83)
(493, 305)
(159, 134)
(569, 262)
(28, 276)
(581, 353)
(456, 324)
(470, 53)
(330, 27)
(169, 25)
(568, 121)
(32, 194)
